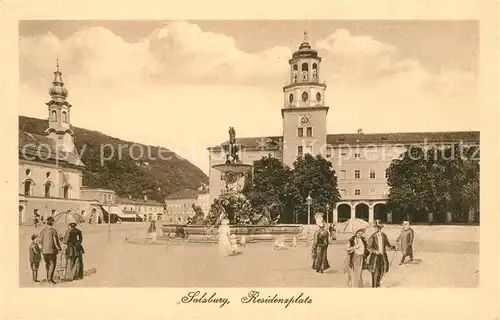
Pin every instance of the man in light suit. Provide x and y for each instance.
(49, 241)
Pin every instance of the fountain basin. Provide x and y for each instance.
(237, 168)
(251, 232)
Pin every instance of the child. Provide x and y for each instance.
(35, 257)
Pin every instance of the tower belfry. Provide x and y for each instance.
(60, 114)
(304, 112)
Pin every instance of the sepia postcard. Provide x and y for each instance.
(275, 162)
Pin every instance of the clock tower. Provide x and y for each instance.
(304, 112)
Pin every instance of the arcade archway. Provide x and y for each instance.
(362, 211)
(343, 212)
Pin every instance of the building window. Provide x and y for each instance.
(35, 212)
(54, 116)
(47, 175)
(300, 132)
(372, 191)
(64, 117)
(357, 174)
(300, 151)
(48, 185)
(27, 188)
(343, 192)
(54, 211)
(356, 155)
(66, 192)
(28, 172)
(343, 174)
(357, 192)
(328, 155)
(343, 154)
(309, 131)
(372, 174)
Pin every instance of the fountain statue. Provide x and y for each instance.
(232, 169)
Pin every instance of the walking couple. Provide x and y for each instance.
(368, 254)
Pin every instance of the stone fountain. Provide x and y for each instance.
(261, 229)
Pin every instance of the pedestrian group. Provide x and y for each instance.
(47, 244)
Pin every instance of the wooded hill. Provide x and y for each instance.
(155, 174)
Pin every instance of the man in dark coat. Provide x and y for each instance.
(49, 241)
(378, 262)
(405, 242)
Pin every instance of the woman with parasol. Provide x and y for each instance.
(71, 258)
(357, 252)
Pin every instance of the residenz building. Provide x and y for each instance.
(359, 159)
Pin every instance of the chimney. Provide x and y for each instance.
(360, 131)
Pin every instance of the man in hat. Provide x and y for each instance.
(49, 241)
(378, 262)
(405, 241)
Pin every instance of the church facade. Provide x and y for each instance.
(359, 159)
(50, 170)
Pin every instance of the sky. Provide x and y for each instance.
(181, 84)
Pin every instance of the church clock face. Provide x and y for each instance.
(305, 96)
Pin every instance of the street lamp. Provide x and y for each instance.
(109, 220)
(309, 202)
(327, 210)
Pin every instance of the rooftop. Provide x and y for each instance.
(185, 194)
(275, 142)
(40, 148)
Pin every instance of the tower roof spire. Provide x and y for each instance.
(58, 90)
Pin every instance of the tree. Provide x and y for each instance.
(265, 186)
(314, 176)
(439, 181)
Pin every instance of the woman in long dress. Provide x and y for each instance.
(320, 249)
(225, 248)
(152, 231)
(74, 253)
(357, 252)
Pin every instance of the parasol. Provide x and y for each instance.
(62, 219)
(351, 225)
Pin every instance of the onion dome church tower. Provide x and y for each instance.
(60, 115)
(304, 112)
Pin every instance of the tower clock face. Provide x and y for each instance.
(305, 96)
(305, 119)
